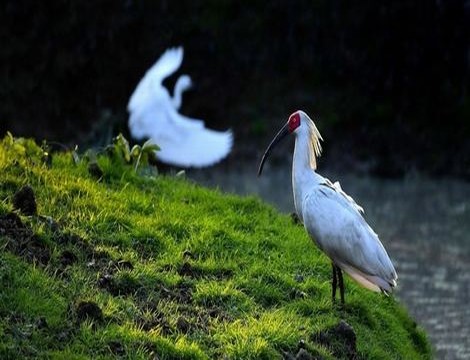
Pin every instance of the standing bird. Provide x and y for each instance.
(154, 114)
(331, 217)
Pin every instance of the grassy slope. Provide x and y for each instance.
(178, 271)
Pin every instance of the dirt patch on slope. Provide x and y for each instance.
(340, 338)
(20, 240)
(24, 200)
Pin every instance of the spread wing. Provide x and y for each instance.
(151, 83)
(185, 142)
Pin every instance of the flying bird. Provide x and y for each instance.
(331, 217)
(154, 114)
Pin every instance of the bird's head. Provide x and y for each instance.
(183, 83)
(298, 122)
(294, 121)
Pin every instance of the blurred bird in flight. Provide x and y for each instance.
(154, 114)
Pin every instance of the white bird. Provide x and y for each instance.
(154, 114)
(331, 217)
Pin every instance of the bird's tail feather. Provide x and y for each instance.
(371, 282)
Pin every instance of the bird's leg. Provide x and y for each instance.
(340, 283)
(333, 283)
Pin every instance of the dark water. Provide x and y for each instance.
(423, 223)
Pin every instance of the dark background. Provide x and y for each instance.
(388, 81)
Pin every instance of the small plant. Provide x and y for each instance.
(120, 150)
(24, 150)
(137, 155)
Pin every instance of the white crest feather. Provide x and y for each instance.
(315, 146)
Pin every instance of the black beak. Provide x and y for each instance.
(280, 135)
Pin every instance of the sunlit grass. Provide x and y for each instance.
(177, 271)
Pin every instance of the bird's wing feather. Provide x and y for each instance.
(342, 233)
(167, 64)
(151, 82)
(198, 148)
(184, 122)
(151, 117)
(184, 141)
(336, 186)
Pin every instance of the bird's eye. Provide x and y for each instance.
(294, 121)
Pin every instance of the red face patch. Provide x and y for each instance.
(294, 121)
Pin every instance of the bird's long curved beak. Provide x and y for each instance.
(280, 135)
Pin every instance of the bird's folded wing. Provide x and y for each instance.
(341, 232)
(336, 186)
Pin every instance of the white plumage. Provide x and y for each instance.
(154, 114)
(331, 217)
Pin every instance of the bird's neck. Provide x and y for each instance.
(177, 93)
(304, 161)
(303, 170)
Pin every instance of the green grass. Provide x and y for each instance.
(177, 271)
